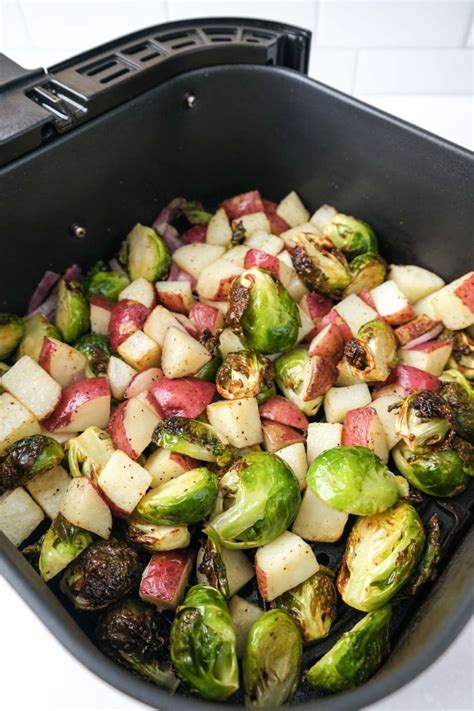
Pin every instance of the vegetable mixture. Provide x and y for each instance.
(230, 389)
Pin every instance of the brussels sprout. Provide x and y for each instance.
(462, 357)
(194, 213)
(262, 312)
(11, 332)
(239, 233)
(424, 421)
(320, 264)
(97, 350)
(89, 452)
(367, 271)
(189, 498)
(72, 310)
(244, 374)
(3, 369)
(312, 604)
(373, 354)
(60, 545)
(136, 635)
(101, 281)
(465, 451)
(264, 498)
(354, 480)
(436, 473)
(36, 328)
(356, 655)
(381, 554)
(426, 568)
(351, 235)
(295, 376)
(103, 573)
(459, 393)
(25, 458)
(145, 254)
(272, 660)
(155, 538)
(212, 565)
(209, 369)
(194, 438)
(203, 643)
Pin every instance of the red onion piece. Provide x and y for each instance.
(74, 272)
(115, 266)
(48, 280)
(169, 212)
(170, 236)
(48, 307)
(428, 336)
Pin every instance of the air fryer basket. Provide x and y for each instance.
(213, 123)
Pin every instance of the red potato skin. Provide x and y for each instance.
(116, 429)
(465, 292)
(263, 260)
(316, 306)
(405, 379)
(334, 318)
(195, 234)
(244, 204)
(48, 348)
(142, 381)
(206, 318)
(73, 397)
(165, 578)
(177, 274)
(127, 317)
(324, 375)
(172, 301)
(222, 293)
(430, 346)
(182, 397)
(262, 582)
(366, 297)
(328, 344)
(187, 324)
(101, 302)
(279, 409)
(277, 223)
(400, 317)
(115, 510)
(414, 329)
(187, 463)
(357, 426)
(280, 435)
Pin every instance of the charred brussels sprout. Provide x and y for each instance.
(262, 312)
(212, 565)
(272, 660)
(203, 643)
(103, 573)
(36, 328)
(459, 393)
(424, 421)
(296, 377)
(373, 354)
(354, 480)
(263, 496)
(351, 235)
(426, 567)
(11, 332)
(436, 473)
(194, 438)
(195, 214)
(381, 554)
(25, 458)
(72, 310)
(154, 537)
(356, 655)
(189, 498)
(97, 350)
(462, 357)
(60, 545)
(89, 452)
(145, 254)
(320, 264)
(312, 604)
(367, 271)
(101, 281)
(244, 374)
(136, 635)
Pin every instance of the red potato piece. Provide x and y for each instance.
(362, 427)
(122, 483)
(165, 578)
(177, 274)
(182, 397)
(206, 318)
(277, 223)
(263, 260)
(279, 409)
(323, 376)
(416, 328)
(64, 363)
(132, 424)
(316, 306)
(276, 435)
(195, 234)
(366, 296)
(334, 318)
(391, 303)
(431, 356)
(84, 404)
(405, 379)
(465, 292)
(175, 295)
(127, 317)
(244, 204)
(101, 310)
(141, 382)
(328, 344)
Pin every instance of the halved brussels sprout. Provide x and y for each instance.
(373, 354)
(101, 281)
(36, 328)
(272, 660)
(426, 567)
(367, 271)
(209, 369)
(25, 458)
(145, 254)
(212, 564)
(72, 310)
(354, 480)
(262, 312)
(89, 452)
(459, 393)
(312, 604)
(97, 350)
(60, 545)
(195, 214)
(436, 473)
(189, 498)
(462, 357)
(153, 537)
(194, 438)
(424, 421)
(295, 376)
(3, 369)
(263, 497)
(320, 264)
(381, 554)
(353, 236)
(11, 332)
(465, 451)
(203, 643)
(356, 655)
(244, 374)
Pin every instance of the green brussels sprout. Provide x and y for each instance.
(356, 655)
(194, 213)
(60, 545)
(367, 271)
(424, 421)
(354, 480)
(351, 235)
(3, 369)
(72, 310)
(36, 328)
(459, 393)
(203, 643)
(239, 233)
(373, 354)
(26, 458)
(244, 374)
(296, 377)
(101, 281)
(272, 660)
(194, 438)
(89, 452)
(320, 264)
(262, 312)
(436, 473)
(462, 356)
(97, 350)
(209, 370)
(154, 537)
(136, 635)
(212, 565)
(426, 567)
(381, 554)
(312, 604)
(465, 451)
(189, 498)
(145, 254)
(264, 498)
(12, 329)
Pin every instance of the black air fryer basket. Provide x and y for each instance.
(209, 108)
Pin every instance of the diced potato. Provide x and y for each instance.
(272, 244)
(318, 522)
(216, 279)
(19, 515)
(338, 401)
(83, 506)
(239, 570)
(295, 288)
(306, 325)
(192, 258)
(295, 457)
(431, 357)
(322, 436)
(164, 465)
(243, 614)
(237, 421)
(415, 282)
(454, 303)
(124, 482)
(229, 342)
(119, 375)
(32, 386)
(283, 564)
(15, 421)
(158, 323)
(292, 210)
(355, 312)
(47, 489)
(182, 354)
(140, 351)
(253, 222)
(236, 255)
(140, 290)
(219, 230)
(425, 306)
(387, 417)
